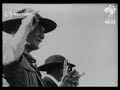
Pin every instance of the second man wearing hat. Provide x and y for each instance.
(59, 70)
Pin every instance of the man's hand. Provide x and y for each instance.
(30, 21)
(71, 80)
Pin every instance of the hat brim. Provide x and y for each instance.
(46, 67)
(10, 25)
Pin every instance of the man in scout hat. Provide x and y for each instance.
(59, 70)
(19, 68)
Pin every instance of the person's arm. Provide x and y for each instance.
(18, 41)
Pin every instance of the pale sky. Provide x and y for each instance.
(82, 37)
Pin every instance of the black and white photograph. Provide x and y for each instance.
(60, 45)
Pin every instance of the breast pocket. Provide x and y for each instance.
(32, 77)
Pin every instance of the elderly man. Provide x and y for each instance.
(19, 68)
(59, 70)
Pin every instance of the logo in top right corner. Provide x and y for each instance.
(110, 12)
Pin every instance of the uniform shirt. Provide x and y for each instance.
(22, 73)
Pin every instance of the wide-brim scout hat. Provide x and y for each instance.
(10, 25)
(52, 61)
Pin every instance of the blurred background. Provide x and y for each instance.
(82, 37)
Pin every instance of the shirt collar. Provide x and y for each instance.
(51, 77)
(30, 58)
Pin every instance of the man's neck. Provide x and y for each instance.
(29, 56)
(27, 50)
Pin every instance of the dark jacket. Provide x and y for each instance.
(21, 73)
(48, 82)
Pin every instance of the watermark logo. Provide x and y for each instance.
(110, 10)
(10, 14)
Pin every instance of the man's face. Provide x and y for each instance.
(66, 70)
(35, 37)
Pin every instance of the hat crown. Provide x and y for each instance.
(26, 10)
(55, 59)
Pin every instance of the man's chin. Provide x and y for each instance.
(33, 47)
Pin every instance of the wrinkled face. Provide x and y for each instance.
(35, 37)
